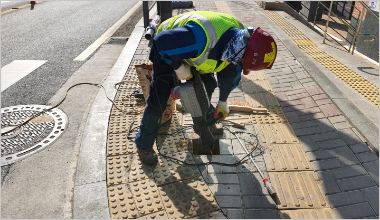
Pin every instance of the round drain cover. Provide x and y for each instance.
(31, 137)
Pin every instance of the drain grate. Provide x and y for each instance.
(39, 133)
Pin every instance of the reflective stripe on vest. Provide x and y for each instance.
(202, 63)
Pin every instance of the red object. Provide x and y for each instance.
(32, 2)
(260, 53)
(265, 180)
(174, 96)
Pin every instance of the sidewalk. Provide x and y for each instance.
(316, 140)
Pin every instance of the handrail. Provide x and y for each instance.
(342, 20)
(370, 10)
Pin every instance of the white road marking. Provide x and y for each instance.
(107, 34)
(16, 70)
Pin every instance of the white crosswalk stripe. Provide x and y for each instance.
(16, 70)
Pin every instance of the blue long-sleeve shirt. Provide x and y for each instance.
(188, 41)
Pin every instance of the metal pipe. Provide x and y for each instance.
(146, 14)
(152, 6)
(357, 32)
(327, 22)
(267, 184)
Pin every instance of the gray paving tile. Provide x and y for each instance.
(307, 143)
(225, 146)
(358, 182)
(225, 189)
(367, 156)
(325, 136)
(326, 164)
(373, 170)
(235, 213)
(229, 201)
(261, 214)
(360, 210)
(325, 125)
(372, 195)
(349, 171)
(329, 144)
(221, 178)
(346, 198)
(328, 182)
(349, 136)
(251, 184)
(358, 148)
(258, 202)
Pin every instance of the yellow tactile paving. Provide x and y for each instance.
(171, 143)
(352, 79)
(298, 190)
(146, 196)
(275, 115)
(266, 99)
(276, 133)
(169, 171)
(286, 157)
(188, 198)
(307, 214)
(118, 144)
(121, 202)
(239, 117)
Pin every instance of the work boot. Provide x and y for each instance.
(215, 130)
(148, 156)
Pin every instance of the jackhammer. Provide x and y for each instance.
(194, 100)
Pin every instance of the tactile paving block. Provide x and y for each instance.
(126, 168)
(118, 168)
(276, 133)
(188, 198)
(156, 215)
(211, 215)
(262, 100)
(286, 157)
(119, 144)
(139, 170)
(146, 196)
(169, 139)
(298, 190)
(168, 170)
(131, 74)
(307, 214)
(121, 123)
(257, 86)
(121, 202)
(275, 115)
(239, 117)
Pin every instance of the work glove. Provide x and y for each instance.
(222, 107)
(184, 72)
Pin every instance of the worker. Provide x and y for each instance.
(210, 42)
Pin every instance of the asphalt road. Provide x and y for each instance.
(56, 31)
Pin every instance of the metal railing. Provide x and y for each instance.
(331, 16)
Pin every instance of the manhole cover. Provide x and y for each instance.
(34, 135)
